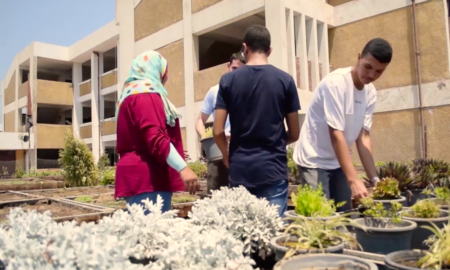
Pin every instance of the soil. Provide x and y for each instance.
(57, 209)
(7, 197)
(106, 200)
(73, 192)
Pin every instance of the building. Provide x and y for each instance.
(75, 88)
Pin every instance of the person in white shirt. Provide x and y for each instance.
(340, 114)
(217, 174)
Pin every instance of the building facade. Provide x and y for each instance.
(76, 88)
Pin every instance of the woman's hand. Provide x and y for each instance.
(190, 180)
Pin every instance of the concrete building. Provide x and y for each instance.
(75, 88)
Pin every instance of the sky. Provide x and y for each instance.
(60, 22)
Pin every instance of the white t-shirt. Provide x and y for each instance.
(209, 105)
(336, 103)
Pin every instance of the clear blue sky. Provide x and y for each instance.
(60, 22)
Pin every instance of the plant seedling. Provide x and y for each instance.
(84, 199)
(386, 189)
(377, 210)
(424, 209)
(311, 202)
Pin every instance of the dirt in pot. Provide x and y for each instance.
(57, 209)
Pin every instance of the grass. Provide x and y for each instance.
(183, 199)
(85, 199)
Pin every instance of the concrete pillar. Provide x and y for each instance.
(102, 68)
(33, 90)
(300, 37)
(95, 109)
(291, 44)
(189, 67)
(125, 44)
(322, 42)
(275, 12)
(17, 123)
(77, 112)
(2, 85)
(196, 53)
(311, 41)
(102, 108)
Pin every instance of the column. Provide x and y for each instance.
(2, 85)
(95, 108)
(33, 90)
(322, 42)
(77, 111)
(275, 12)
(125, 44)
(311, 41)
(291, 45)
(300, 37)
(189, 63)
(18, 115)
(101, 64)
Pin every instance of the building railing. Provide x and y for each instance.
(206, 78)
(85, 87)
(109, 79)
(23, 90)
(86, 130)
(109, 126)
(54, 93)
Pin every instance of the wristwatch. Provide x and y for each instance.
(375, 179)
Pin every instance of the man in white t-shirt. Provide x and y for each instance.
(339, 115)
(217, 175)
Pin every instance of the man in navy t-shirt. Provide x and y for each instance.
(258, 98)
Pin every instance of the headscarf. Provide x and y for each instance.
(147, 73)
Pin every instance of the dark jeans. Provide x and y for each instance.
(275, 192)
(217, 175)
(334, 184)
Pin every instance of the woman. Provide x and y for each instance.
(149, 137)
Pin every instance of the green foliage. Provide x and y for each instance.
(377, 210)
(318, 234)
(208, 133)
(424, 209)
(429, 172)
(78, 162)
(108, 176)
(183, 199)
(103, 162)
(442, 195)
(386, 189)
(19, 173)
(398, 171)
(198, 167)
(379, 163)
(292, 167)
(311, 202)
(84, 199)
(438, 256)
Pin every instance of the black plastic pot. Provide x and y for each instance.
(325, 261)
(387, 203)
(443, 206)
(420, 234)
(292, 213)
(379, 239)
(280, 251)
(412, 196)
(393, 259)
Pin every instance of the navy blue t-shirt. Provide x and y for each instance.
(257, 99)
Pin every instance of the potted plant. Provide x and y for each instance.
(305, 236)
(311, 203)
(430, 172)
(423, 212)
(325, 261)
(438, 257)
(385, 230)
(387, 191)
(210, 147)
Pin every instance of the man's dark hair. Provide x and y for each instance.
(257, 38)
(380, 49)
(237, 56)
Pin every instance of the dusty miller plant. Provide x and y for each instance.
(251, 220)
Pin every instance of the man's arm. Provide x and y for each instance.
(364, 146)
(293, 106)
(343, 155)
(200, 124)
(206, 110)
(219, 133)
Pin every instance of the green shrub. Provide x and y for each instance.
(103, 162)
(198, 167)
(311, 202)
(19, 173)
(108, 176)
(78, 162)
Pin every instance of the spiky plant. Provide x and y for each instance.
(399, 171)
(430, 172)
(438, 257)
(386, 189)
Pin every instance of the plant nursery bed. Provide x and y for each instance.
(29, 184)
(183, 202)
(61, 210)
(8, 196)
(104, 200)
(72, 192)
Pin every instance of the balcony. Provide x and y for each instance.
(54, 93)
(23, 90)
(205, 79)
(109, 127)
(85, 88)
(51, 136)
(86, 131)
(109, 79)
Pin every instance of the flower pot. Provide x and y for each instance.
(211, 149)
(397, 260)
(443, 206)
(421, 234)
(325, 261)
(292, 214)
(382, 239)
(412, 196)
(280, 250)
(387, 203)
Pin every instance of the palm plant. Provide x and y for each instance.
(430, 172)
(399, 171)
